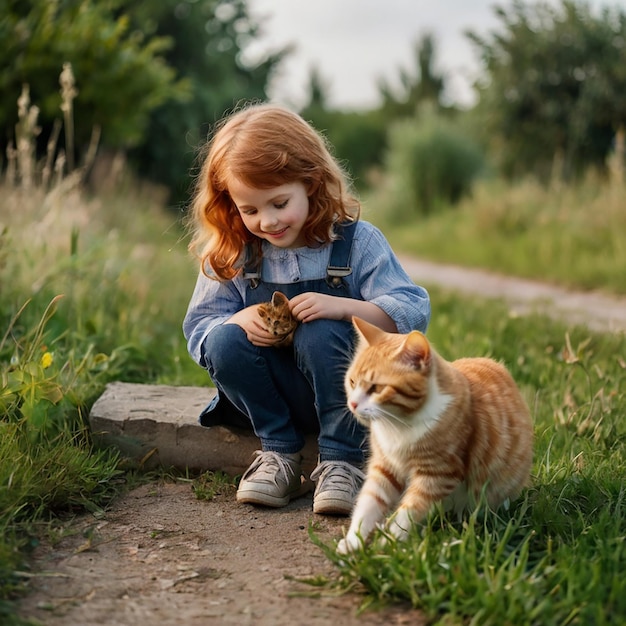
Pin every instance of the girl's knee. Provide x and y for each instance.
(226, 344)
(324, 337)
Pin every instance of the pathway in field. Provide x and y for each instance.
(598, 311)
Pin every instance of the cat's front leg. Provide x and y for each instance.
(416, 502)
(370, 510)
(401, 524)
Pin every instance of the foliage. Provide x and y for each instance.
(572, 236)
(47, 463)
(125, 278)
(360, 138)
(208, 40)
(429, 162)
(121, 74)
(424, 86)
(554, 90)
(154, 76)
(556, 555)
(357, 138)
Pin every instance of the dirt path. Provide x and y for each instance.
(161, 556)
(599, 311)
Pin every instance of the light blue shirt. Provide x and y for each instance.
(376, 275)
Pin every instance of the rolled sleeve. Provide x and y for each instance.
(211, 304)
(384, 282)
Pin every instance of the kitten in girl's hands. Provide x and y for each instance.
(278, 320)
(439, 431)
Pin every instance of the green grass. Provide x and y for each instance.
(574, 236)
(557, 556)
(94, 289)
(211, 484)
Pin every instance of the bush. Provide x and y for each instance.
(429, 163)
(358, 139)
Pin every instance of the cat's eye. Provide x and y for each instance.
(373, 388)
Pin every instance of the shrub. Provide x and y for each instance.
(429, 163)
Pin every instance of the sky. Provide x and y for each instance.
(354, 43)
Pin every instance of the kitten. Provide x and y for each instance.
(278, 319)
(439, 431)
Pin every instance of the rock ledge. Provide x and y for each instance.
(157, 425)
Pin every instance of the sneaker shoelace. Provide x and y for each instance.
(268, 466)
(338, 475)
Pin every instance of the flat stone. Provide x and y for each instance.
(157, 426)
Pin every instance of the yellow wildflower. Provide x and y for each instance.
(46, 360)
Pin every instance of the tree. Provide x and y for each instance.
(554, 88)
(318, 90)
(208, 38)
(121, 75)
(357, 138)
(424, 85)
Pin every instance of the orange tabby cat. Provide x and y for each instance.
(439, 431)
(277, 318)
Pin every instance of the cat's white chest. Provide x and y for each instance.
(393, 437)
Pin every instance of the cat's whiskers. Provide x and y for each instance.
(389, 415)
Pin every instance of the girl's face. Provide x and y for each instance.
(276, 214)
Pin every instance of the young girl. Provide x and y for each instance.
(272, 211)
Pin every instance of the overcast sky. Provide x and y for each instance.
(353, 43)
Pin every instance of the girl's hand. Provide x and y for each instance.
(310, 306)
(249, 320)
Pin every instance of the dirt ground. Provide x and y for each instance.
(162, 556)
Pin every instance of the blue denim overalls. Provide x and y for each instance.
(286, 392)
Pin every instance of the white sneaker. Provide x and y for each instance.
(272, 479)
(338, 484)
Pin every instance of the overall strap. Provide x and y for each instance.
(252, 267)
(339, 264)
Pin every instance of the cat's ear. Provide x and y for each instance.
(370, 333)
(279, 298)
(416, 349)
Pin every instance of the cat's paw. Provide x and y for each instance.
(397, 532)
(350, 543)
(400, 526)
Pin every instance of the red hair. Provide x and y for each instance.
(264, 146)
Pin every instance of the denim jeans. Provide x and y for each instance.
(287, 392)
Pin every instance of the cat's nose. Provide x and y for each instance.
(352, 405)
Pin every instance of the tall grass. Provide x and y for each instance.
(574, 236)
(94, 285)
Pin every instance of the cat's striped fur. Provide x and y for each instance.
(439, 431)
